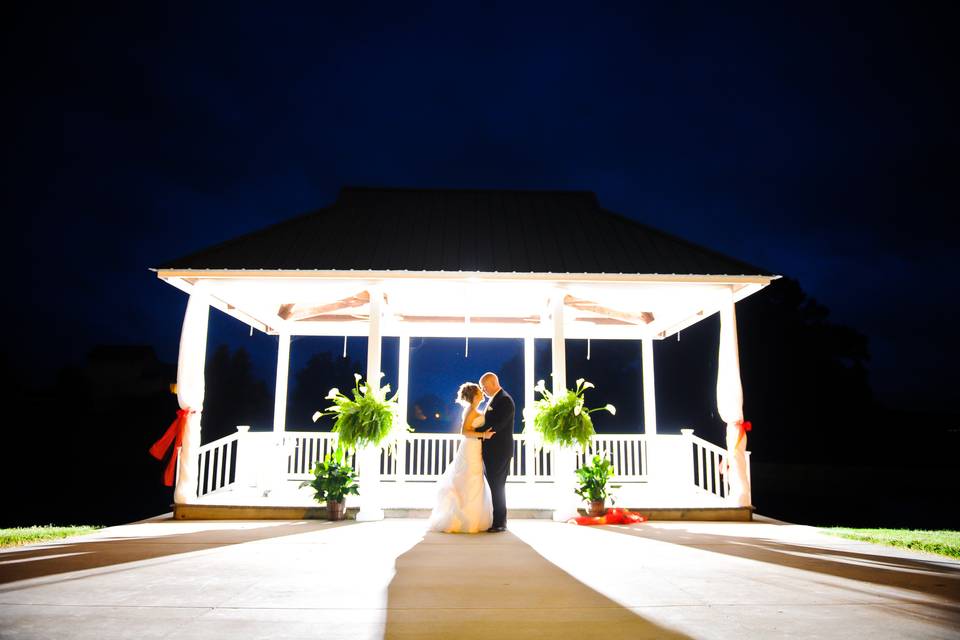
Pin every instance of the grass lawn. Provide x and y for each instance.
(27, 535)
(945, 543)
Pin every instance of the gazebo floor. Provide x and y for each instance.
(316, 512)
(214, 580)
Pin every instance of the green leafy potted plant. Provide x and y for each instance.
(368, 418)
(594, 478)
(563, 419)
(333, 480)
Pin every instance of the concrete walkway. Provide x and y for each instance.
(311, 579)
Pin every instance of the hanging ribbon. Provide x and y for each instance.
(172, 438)
(613, 516)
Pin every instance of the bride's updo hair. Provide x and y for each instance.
(467, 392)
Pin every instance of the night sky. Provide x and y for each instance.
(817, 141)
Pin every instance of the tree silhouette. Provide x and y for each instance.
(805, 378)
(312, 383)
(233, 395)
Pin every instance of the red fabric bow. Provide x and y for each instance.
(613, 516)
(173, 437)
(744, 427)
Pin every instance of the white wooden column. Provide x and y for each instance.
(374, 338)
(528, 383)
(558, 345)
(275, 476)
(283, 373)
(730, 403)
(564, 460)
(368, 458)
(661, 458)
(649, 390)
(190, 391)
(403, 397)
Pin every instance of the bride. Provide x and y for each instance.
(464, 504)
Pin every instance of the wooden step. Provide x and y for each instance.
(280, 512)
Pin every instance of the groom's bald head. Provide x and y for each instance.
(490, 383)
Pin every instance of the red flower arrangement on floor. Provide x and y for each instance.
(613, 516)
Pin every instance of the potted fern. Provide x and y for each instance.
(369, 417)
(594, 478)
(333, 480)
(562, 419)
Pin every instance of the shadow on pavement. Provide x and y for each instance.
(60, 557)
(497, 586)
(938, 580)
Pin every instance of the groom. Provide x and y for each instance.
(498, 450)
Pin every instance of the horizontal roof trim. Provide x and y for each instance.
(457, 275)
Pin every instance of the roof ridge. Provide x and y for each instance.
(466, 190)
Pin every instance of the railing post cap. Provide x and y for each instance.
(686, 432)
(243, 428)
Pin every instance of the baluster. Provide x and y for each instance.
(217, 469)
(701, 478)
(718, 460)
(205, 466)
(424, 462)
(642, 457)
(231, 448)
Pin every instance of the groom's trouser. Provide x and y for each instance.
(497, 467)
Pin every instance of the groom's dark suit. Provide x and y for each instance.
(498, 450)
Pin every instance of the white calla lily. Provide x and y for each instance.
(612, 409)
(316, 416)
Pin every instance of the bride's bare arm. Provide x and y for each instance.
(467, 427)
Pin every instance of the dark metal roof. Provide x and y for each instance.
(479, 230)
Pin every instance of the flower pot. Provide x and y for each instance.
(336, 510)
(596, 508)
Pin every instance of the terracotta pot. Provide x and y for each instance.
(336, 510)
(596, 508)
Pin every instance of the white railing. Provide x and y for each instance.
(686, 463)
(217, 465)
(306, 449)
(627, 453)
(423, 457)
(709, 467)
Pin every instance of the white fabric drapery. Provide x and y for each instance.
(730, 404)
(190, 390)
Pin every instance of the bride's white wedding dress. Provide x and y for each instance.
(464, 504)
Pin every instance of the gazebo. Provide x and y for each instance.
(414, 263)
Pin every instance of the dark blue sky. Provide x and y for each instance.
(819, 141)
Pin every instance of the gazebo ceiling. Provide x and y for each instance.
(441, 274)
(427, 305)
